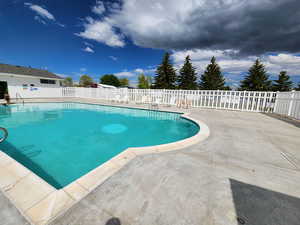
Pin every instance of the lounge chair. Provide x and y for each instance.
(116, 98)
(155, 103)
(124, 99)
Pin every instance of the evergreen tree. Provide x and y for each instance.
(165, 74)
(257, 79)
(110, 79)
(144, 82)
(283, 83)
(298, 88)
(187, 76)
(212, 79)
(85, 81)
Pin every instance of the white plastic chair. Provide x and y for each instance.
(116, 98)
(156, 103)
(124, 99)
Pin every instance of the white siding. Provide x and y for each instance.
(15, 83)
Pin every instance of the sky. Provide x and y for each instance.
(129, 37)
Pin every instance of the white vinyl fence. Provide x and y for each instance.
(284, 103)
(231, 100)
(288, 103)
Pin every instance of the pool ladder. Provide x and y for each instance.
(18, 96)
(5, 134)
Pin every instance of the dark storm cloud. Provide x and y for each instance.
(252, 27)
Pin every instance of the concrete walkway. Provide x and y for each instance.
(246, 172)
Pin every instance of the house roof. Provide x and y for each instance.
(106, 86)
(27, 71)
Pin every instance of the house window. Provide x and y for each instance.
(45, 81)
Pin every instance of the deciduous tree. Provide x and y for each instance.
(68, 82)
(124, 82)
(144, 82)
(85, 81)
(110, 79)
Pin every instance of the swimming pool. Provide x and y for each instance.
(61, 142)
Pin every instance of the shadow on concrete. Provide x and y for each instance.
(286, 119)
(259, 206)
(113, 221)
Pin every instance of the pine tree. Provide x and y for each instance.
(187, 76)
(257, 79)
(283, 83)
(165, 74)
(212, 79)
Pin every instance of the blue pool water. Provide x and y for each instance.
(60, 142)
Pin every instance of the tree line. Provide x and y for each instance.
(144, 82)
(256, 79)
(166, 77)
(87, 81)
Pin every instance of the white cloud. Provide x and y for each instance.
(102, 31)
(88, 49)
(139, 70)
(99, 8)
(42, 12)
(283, 61)
(62, 75)
(125, 74)
(247, 26)
(236, 66)
(61, 25)
(88, 44)
(113, 58)
(135, 72)
(201, 58)
(149, 70)
(37, 18)
(83, 69)
(200, 54)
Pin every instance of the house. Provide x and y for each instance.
(16, 78)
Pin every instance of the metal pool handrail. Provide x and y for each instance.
(18, 96)
(5, 134)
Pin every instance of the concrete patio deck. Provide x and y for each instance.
(246, 172)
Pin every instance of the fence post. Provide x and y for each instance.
(276, 101)
(291, 103)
